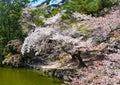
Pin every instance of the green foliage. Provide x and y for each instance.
(6, 51)
(36, 13)
(39, 22)
(54, 11)
(93, 7)
(66, 16)
(49, 12)
(86, 6)
(10, 12)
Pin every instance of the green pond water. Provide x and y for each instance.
(10, 76)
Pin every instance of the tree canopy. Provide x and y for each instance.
(10, 12)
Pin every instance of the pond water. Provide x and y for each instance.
(10, 76)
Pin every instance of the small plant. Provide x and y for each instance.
(66, 16)
(39, 22)
(54, 11)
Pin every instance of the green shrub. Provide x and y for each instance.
(39, 22)
(87, 6)
(66, 16)
(1, 56)
(46, 12)
(54, 11)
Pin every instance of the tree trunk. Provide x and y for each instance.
(78, 56)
